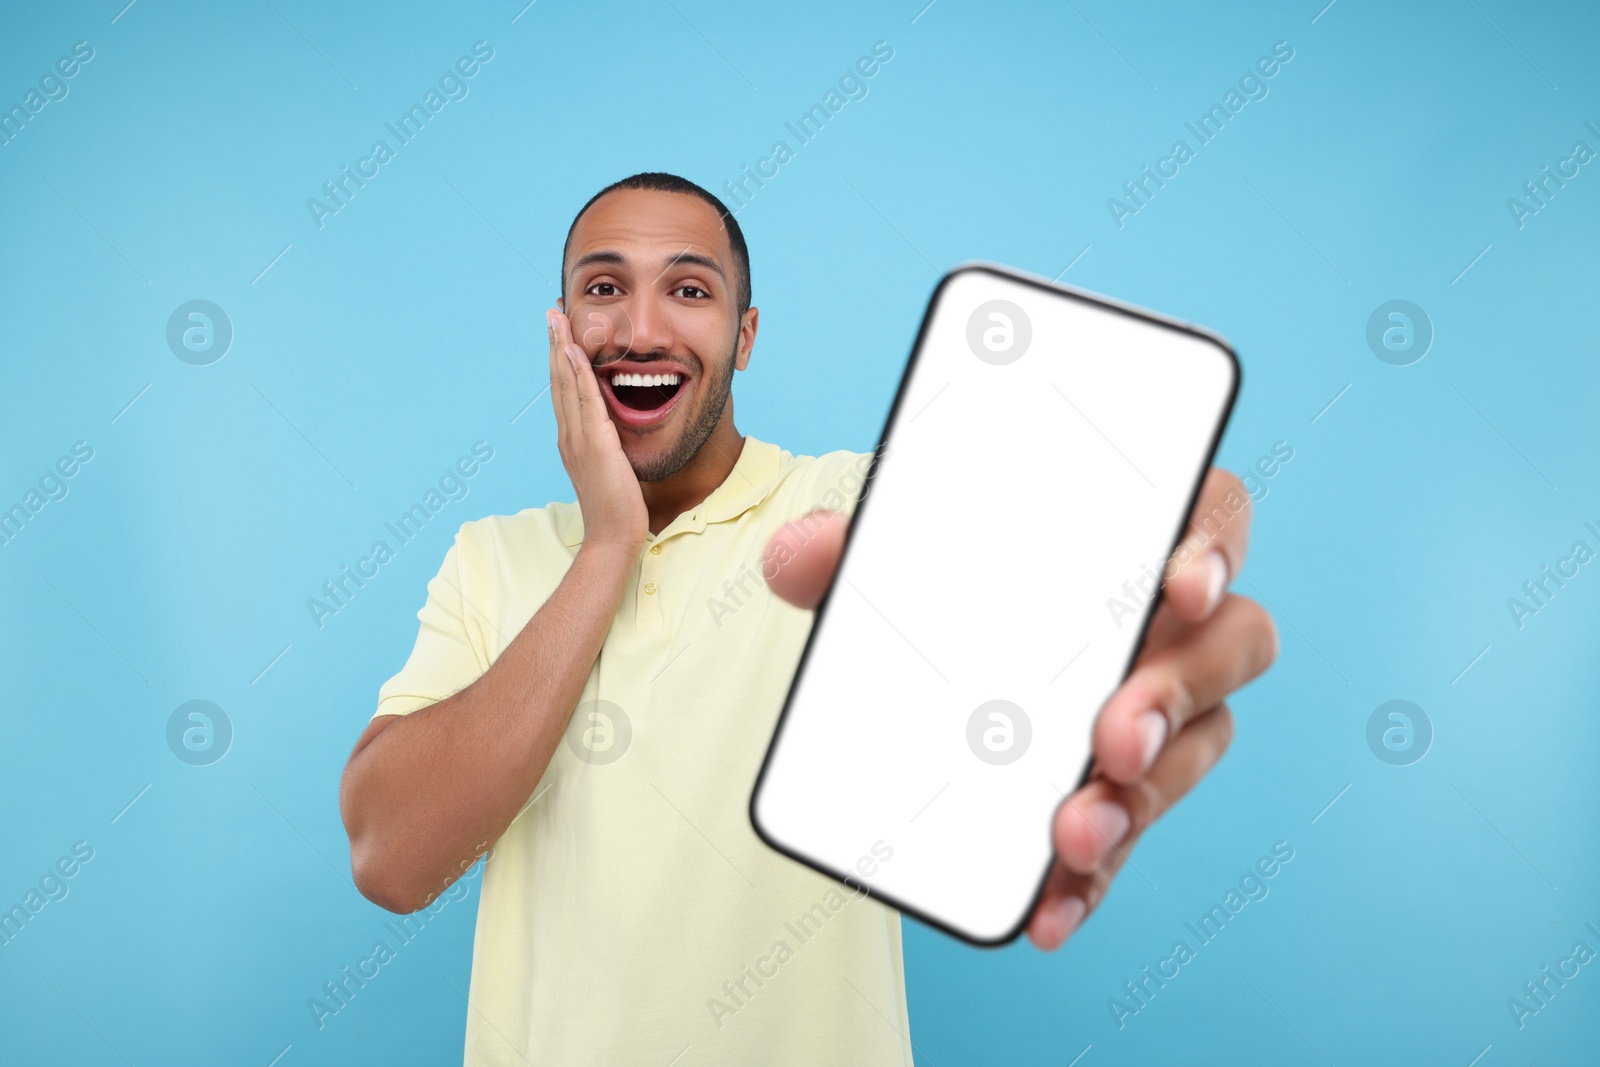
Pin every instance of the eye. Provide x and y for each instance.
(601, 285)
(692, 289)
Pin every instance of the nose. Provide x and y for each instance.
(637, 325)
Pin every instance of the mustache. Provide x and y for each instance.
(601, 362)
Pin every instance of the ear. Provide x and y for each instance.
(561, 305)
(747, 338)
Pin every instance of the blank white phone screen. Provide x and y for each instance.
(1040, 460)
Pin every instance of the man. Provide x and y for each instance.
(594, 685)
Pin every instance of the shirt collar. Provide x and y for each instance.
(751, 481)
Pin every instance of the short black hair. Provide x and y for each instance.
(659, 181)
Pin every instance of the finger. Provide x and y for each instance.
(1069, 895)
(1213, 550)
(1096, 826)
(1170, 685)
(586, 386)
(563, 379)
(801, 558)
(1061, 909)
(1165, 628)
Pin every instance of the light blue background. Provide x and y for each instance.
(378, 349)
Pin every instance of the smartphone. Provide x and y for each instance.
(1037, 469)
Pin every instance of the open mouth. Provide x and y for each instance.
(645, 392)
(640, 400)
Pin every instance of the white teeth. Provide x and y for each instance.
(646, 379)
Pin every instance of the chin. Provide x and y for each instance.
(652, 462)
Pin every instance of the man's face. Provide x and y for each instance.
(650, 294)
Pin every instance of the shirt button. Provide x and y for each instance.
(655, 550)
(649, 588)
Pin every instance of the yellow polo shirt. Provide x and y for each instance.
(629, 914)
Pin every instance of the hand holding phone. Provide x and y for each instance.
(965, 660)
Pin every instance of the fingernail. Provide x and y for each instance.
(1069, 913)
(574, 353)
(1152, 735)
(1217, 577)
(1110, 821)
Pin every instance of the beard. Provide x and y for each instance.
(694, 436)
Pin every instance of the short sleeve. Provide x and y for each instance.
(444, 659)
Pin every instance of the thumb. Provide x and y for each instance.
(802, 557)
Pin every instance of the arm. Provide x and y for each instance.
(423, 795)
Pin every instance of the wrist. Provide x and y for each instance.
(620, 554)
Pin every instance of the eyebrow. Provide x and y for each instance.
(618, 259)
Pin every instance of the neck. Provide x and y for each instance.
(699, 478)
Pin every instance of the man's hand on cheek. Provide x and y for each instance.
(1164, 727)
(608, 491)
